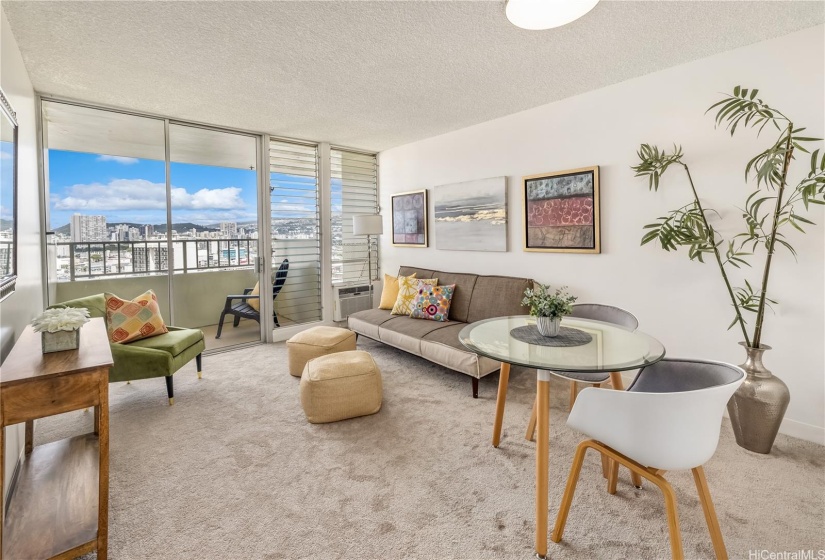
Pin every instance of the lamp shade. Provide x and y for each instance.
(367, 224)
(546, 14)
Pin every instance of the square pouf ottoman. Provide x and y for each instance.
(315, 342)
(340, 386)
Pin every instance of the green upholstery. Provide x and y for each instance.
(158, 356)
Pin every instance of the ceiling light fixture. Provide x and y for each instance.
(546, 14)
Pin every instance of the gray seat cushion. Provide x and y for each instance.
(676, 376)
(443, 347)
(584, 377)
(367, 322)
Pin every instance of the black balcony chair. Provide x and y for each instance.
(242, 309)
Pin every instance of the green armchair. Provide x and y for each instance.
(157, 356)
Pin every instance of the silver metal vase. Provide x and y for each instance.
(758, 406)
(548, 326)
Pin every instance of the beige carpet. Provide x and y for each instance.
(234, 471)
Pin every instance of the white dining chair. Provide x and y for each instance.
(669, 419)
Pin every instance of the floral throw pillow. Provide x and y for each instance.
(407, 292)
(129, 320)
(433, 302)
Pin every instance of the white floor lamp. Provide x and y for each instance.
(369, 225)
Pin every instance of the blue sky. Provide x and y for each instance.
(6, 179)
(134, 190)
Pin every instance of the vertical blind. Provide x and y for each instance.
(294, 195)
(354, 191)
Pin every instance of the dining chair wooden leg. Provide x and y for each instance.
(574, 392)
(613, 477)
(672, 519)
(710, 513)
(569, 490)
(605, 466)
(531, 425)
(501, 398)
(616, 380)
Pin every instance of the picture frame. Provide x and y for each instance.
(561, 211)
(471, 216)
(409, 219)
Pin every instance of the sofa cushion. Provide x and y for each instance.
(419, 272)
(443, 347)
(464, 285)
(389, 292)
(497, 296)
(367, 322)
(406, 333)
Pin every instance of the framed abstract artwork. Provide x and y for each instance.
(561, 211)
(409, 219)
(471, 216)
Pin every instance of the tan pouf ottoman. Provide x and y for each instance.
(315, 342)
(340, 386)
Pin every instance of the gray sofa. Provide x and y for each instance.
(475, 298)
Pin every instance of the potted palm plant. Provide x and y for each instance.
(758, 406)
(548, 307)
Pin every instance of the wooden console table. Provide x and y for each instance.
(59, 507)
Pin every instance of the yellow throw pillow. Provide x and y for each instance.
(389, 294)
(407, 291)
(255, 303)
(130, 320)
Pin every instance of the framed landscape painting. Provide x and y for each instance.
(471, 216)
(409, 219)
(561, 211)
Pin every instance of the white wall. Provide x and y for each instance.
(680, 302)
(18, 310)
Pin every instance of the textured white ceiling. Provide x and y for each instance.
(367, 74)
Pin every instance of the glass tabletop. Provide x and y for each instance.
(612, 348)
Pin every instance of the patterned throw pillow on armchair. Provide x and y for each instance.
(130, 320)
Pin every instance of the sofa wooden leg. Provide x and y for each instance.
(170, 391)
(475, 387)
(199, 362)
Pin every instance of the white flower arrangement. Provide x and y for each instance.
(61, 319)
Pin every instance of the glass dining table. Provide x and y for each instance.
(595, 347)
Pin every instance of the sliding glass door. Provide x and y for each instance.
(140, 203)
(214, 233)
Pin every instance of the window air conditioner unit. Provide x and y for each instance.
(350, 299)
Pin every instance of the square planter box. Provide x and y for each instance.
(60, 341)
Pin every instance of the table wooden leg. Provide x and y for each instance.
(29, 436)
(97, 420)
(102, 417)
(531, 425)
(542, 459)
(503, 380)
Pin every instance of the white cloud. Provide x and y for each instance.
(118, 159)
(5, 155)
(140, 194)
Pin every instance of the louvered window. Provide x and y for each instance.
(354, 191)
(296, 230)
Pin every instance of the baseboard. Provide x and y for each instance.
(792, 428)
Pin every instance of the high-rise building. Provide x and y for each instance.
(148, 231)
(88, 228)
(150, 259)
(229, 230)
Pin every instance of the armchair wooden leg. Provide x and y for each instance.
(531, 425)
(199, 362)
(570, 489)
(170, 391)
(220, 324)
(710, 513)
